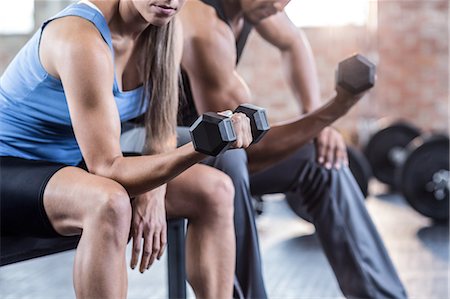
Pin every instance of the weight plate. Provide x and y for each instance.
(360, 169)
(385, 150)
(425, 177)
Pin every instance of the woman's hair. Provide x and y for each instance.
(160, 79)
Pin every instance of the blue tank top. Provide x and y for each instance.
(34, 116)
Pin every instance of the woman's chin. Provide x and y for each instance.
(160, 21)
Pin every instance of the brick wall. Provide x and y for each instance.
(410, 48)
(413, 45)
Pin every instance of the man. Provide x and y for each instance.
(215, 32)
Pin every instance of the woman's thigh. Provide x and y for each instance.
(73, 194)
(22, 184)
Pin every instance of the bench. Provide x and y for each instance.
(17, 249)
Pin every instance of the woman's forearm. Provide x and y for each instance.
(139, 174)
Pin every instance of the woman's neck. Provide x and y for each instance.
(123, 18)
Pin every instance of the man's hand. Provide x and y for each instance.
(148, 223)
(346, 99)
(331, 149)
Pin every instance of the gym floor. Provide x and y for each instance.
(294, 265)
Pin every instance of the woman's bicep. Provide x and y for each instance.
(87, 74)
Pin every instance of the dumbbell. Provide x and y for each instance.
(213, 134)
(355, 74)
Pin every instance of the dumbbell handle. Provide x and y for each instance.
(258, 120)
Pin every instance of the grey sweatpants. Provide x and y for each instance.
(333, 201)
(335, 205)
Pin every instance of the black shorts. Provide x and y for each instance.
(22, 185)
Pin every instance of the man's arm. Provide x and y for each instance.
(300, 71)
(209, 57)
(298, 61)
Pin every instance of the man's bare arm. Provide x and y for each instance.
(285, 138)
(209, 58)
(298, 61)
(300, 71)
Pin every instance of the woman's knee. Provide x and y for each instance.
(112, 212)
(217, 197)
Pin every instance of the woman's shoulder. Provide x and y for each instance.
(71, 39)
(72, 29)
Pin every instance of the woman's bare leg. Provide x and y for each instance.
(205, 195)
(99, 209)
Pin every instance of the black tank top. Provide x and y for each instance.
(188, 112)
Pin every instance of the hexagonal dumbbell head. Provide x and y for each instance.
(258, 120)
(355, 74)
(212, 134)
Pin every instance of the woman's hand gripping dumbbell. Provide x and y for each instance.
(213, 133)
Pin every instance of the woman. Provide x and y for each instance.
(62, 100)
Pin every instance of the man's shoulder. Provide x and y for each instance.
(201, 22)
